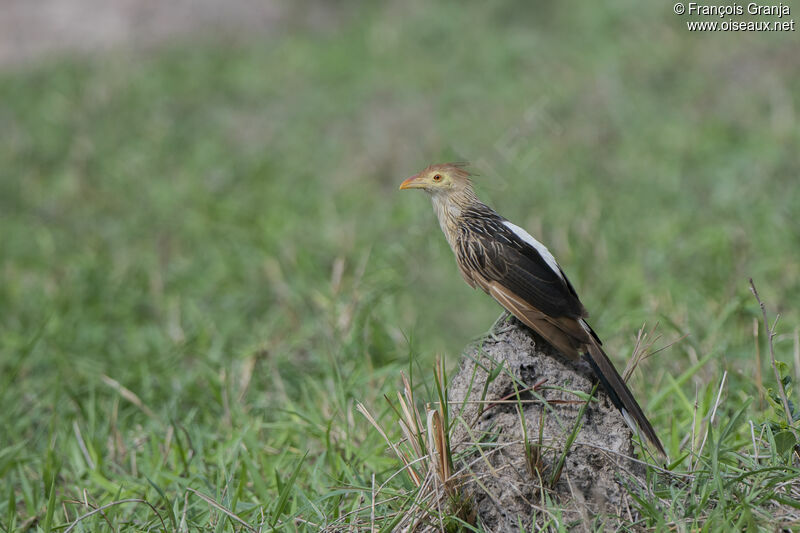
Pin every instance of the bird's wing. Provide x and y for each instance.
(504, 253)
(560, 333)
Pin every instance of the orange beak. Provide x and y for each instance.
(410, 183)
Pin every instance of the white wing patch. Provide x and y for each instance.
(541, 248)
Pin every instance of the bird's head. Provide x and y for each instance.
(443, 179)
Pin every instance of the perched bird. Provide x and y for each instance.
(520, 273)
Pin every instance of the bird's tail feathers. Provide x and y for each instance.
(621, 396)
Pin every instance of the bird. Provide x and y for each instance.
(521, 274)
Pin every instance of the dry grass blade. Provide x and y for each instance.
(112, 504)
(410, 420)
(507, 399)
(644, 341)
(128, 395)
(426, 456)
(713, 414)
(642, 348)
(770, 335)
(82, 445)
(372, 506)
(759, 379)
(438, 442)
(415, 477)
(221, 508)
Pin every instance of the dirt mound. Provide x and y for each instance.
(509, 486)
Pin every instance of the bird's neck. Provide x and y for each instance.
(448, 209)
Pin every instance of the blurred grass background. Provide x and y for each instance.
(206, 261)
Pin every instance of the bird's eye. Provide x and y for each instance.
(437, 177)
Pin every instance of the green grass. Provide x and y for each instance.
(205, 262)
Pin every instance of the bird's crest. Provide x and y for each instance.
(457, 169)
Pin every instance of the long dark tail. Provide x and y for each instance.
(621, 395)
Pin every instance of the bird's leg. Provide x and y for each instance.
(500, 326)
